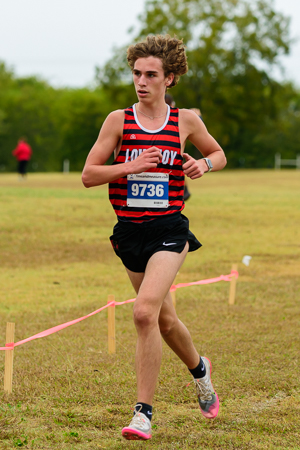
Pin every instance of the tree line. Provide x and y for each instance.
(233, 47)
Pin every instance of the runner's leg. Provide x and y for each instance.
(153, 288)
(176, 335)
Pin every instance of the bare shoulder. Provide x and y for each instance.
(118, 113)
(113, 125)
(116, 117)
(109, 136)
(187, 112)
(189, 121)
(188, 115)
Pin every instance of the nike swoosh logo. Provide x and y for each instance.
(172, 243)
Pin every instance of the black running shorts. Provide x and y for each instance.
(135, 243)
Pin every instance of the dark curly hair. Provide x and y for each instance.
(170, 50)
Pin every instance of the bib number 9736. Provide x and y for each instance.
(148, 189)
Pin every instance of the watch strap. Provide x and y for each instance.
(209, 163)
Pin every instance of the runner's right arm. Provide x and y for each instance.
(96, 173)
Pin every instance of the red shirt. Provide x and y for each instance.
(23, 151)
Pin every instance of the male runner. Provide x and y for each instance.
(152, 237)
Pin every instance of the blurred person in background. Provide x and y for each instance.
(23, 154)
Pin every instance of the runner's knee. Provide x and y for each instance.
(143, 317)
(167, 325)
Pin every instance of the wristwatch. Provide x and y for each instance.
(209, 164)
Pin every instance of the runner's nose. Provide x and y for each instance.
(142, 81)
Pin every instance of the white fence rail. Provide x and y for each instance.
(286, 162)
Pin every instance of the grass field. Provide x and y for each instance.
(57, 265)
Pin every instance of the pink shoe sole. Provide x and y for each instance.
(134, 435)
(213, 410)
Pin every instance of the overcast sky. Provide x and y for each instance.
(63, 40)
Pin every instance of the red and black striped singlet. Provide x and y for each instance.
(136, 139)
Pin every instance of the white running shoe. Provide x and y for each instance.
(139, 428)
(207, 397)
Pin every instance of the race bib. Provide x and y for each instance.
(148, 190)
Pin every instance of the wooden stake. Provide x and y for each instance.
(233, 285)
(9, 358)
(173, 294)
(111, 325)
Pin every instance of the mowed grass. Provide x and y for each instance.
(57, 264)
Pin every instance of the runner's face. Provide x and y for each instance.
(149, 79)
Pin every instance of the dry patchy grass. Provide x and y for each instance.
(57, 265)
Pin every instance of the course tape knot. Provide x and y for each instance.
(12, 345)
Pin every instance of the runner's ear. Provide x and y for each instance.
(169, 79)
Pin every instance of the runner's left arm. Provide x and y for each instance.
(193, 129)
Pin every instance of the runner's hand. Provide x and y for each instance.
(148, 159)
(194, 168)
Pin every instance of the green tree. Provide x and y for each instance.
(232, 46)
(58, 123)
(80, 114)
(25, 106)
(6, 81)
(285, 136)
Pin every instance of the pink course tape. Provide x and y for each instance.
(12, 345)
(210, 280)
